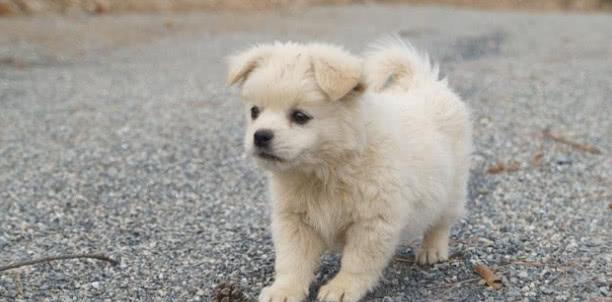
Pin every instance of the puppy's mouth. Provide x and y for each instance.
(268, 156)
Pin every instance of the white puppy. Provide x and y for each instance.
(361, 153)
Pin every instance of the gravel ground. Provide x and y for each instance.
(117, 135)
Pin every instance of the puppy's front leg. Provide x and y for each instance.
(369, 246)
(298, 251)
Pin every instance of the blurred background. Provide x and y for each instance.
(106, 6)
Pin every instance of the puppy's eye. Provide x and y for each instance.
(300, 117)
(254, 112)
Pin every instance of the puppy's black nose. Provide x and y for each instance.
(262, 138)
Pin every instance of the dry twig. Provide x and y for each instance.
(511, 166)
(61, 257)
(536, 161)
(18, 285)
(496, 168)
(560, 139)
(404, 259)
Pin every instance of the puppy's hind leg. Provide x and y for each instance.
(434, 247)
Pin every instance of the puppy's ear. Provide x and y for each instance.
(336, 71)
(241, 64)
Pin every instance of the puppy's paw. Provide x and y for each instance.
(431, 255)
(333, 294)
(338, 290)
(281, 294)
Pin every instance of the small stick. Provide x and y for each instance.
(61, 257)
(536, 160)
(496, 168)
(513, 166)
(584, 147)
(403, 259)
(18, 285)
(458, 283)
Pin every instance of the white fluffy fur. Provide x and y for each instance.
(370, 169)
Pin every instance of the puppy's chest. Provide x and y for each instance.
(330, 215)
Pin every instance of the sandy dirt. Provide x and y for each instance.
(12, 7)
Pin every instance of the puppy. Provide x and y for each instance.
(361, 153)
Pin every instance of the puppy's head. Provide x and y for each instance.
(301, 103)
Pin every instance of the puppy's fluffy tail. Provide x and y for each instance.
(392, 64)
